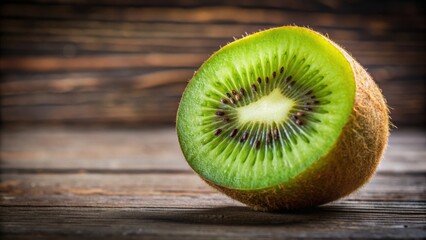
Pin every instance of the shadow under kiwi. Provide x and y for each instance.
(241, 216)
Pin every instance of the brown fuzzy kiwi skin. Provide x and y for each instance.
(348, 165)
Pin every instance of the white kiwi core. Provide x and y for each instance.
(271, 108)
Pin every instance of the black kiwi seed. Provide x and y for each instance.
(309, 92)
(244, 137)
(259, 80)
(219, 113)
(242, 91)
(288, 79)
(299, 122)
(234, 92)
(234, 132)
(268, 137)
(257, 144)
(218, 131)
(223, 100)
(226, 119)
(254, 87)
(307, 109)
(267, 79)
(313, 96)
(316, 102)
(275, 133)
(281, 69)
(274, 74)
(228, 95)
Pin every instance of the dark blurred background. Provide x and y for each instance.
(126, 63)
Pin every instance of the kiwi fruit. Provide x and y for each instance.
(283, 119)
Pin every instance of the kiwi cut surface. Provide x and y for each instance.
(266, 109)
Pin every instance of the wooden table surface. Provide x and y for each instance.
(61, 183)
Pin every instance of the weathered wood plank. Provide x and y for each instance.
(160, 190)
(348, 220)
(97, 150)
(153, 96)
(399, 7)
(92, 149)
(77, 63)
(96, 81)
(70, 46)
(87, 31)
(156, 78)
(208, 14)
(102, 62)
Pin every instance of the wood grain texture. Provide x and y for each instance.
(78, 150)
(127, 62)
(222, 222)
(73, 183)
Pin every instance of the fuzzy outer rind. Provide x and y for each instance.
(347, 166)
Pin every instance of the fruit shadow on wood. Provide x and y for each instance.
(243, 216)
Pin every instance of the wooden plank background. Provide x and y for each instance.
(127, 62)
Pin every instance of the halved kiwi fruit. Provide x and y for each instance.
(283, 119)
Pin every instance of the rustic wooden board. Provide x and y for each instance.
(127, 62)
(134, 183)
(395, 221)
(164, 190)
(155, 149)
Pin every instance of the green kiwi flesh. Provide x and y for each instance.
(283, 119)
(264, 108)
